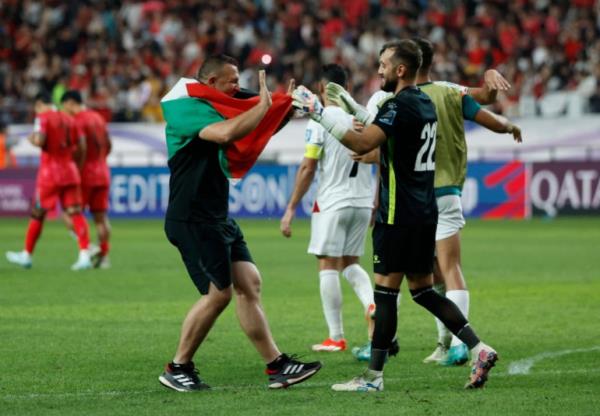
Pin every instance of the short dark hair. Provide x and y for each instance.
(213, 63)
(43, 96)
(72, 95)
(406, 52)
(427, 51)
(335, 73)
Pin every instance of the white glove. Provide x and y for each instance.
(304, 100)
(307, 102)
(342, 98)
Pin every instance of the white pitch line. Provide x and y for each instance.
(261, 387)
(524, 366)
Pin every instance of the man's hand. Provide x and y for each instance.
(265, 95)
(304, 100)
(285, 226)
(516, 132)
(494, 81)
(357, 125)
(342, 98)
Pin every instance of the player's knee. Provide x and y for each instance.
(251, 287)
(73, 210)
(219, 299)
(38, 213)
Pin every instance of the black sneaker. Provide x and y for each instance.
(182, 377)
(291, 372)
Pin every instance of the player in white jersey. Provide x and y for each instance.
(340, 217)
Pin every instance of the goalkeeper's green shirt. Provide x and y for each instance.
(453, 105)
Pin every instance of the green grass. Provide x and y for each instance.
(95, 342)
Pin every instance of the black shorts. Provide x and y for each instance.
(208, 249)
(406, 249)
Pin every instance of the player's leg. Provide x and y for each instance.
(283, 370)
(181, 374)
(207, 262)
(326, 243)
(70, 198)
(33, 233)
(448, 259)
(357, 226)
(331, 301)
(247, 284)
(444, 336)
(103, 232)
(45, 200)
(421, 289)
(386, 292)
(450, 222)
(96, 198)
(354, 247)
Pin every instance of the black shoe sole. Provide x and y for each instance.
(166, 383)
(292, 381)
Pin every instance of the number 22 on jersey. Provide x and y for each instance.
(424, 161)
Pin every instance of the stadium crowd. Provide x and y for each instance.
(123, 55)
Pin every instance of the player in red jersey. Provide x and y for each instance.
(95, 175)
(58, 179)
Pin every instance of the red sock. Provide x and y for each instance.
(80, 226)
(34, 230)
(104, 246)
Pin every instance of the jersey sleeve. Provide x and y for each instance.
(388, 117)
(470, 107)
(377, 100)
(187, 117)
(314, 139)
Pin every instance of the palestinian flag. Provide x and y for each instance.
(190, 106)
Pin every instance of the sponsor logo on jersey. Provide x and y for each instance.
(388, 118)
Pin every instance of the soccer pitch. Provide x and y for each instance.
(95, 342)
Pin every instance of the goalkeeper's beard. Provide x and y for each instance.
(389, 85)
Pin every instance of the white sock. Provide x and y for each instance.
(480, 346)
(444, 335)
(331, 298)
(461, 299)
(360, 282)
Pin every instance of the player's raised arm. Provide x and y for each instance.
(493, 82)
(360, 142)
(342, 98)
(227, 131)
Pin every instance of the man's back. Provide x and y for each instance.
(407, 159)
(95, 170)
(451, 147)
(61, 134)
(342, 181)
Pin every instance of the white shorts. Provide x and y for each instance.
(339, 233)
(450, 216)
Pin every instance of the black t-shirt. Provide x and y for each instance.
(406, 194)
(198, 189)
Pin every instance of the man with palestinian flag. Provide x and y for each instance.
(213, 136)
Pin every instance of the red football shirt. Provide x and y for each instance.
(95, 170)
(57, 167)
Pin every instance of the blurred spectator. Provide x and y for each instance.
(123, 55)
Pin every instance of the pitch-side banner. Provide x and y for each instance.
(492, 190)
(565, 188)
